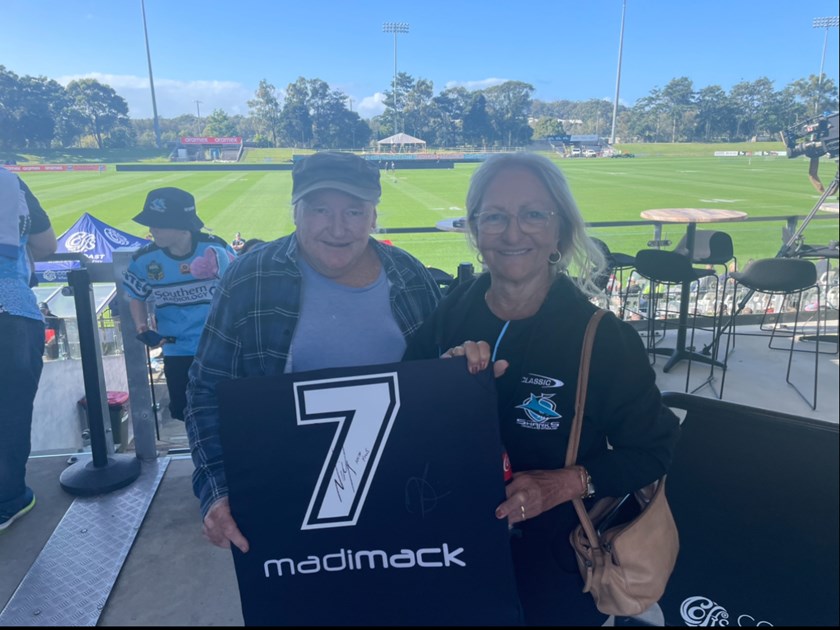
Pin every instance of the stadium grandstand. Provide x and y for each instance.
(208, 148)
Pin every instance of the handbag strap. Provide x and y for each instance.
(577, 423)
(583, 381)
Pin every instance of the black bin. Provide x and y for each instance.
(117, 410)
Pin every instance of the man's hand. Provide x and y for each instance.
(220, 528)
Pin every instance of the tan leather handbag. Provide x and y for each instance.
(624, 566)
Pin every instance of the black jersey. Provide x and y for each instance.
(368, 496)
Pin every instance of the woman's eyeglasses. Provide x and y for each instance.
(530, 221)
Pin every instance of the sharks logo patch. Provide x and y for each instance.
(541, 411)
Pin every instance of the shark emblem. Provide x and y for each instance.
(540, 409)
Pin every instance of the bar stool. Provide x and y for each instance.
(825, 253)
(712, 248)
(790, 278)
(616, 262)
(669, 268)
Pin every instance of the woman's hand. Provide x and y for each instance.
(478, 357)
(533, 492)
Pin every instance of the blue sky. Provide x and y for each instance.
(216, 52)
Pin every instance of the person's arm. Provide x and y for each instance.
(216, 359)
(41, 240)
(627, 407)
(43, 244)
(139, 314)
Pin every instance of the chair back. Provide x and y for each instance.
(664, 266)
(602, 279)
(778, 275)
(711, 247)
(441, 277)
(754, 493)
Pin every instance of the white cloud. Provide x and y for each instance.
(173, 97)
(371, 106)
(476, 85)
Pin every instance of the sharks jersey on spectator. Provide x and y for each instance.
(181, 289)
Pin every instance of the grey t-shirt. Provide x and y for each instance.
(342, 326)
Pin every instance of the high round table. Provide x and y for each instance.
(690, 216)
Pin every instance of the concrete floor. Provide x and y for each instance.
(172, 576)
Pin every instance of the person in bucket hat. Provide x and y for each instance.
(177, 274)
(326, 295)
(170, 208)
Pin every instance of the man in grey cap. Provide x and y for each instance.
(177, 273)
(327, 295)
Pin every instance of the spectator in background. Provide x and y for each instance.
(53, 333)
(177, 273)
(250, 244)
(327, 295)
(237, 243)
(25, 235)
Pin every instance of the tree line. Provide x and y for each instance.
(36, 112)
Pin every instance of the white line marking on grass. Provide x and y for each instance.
(720, 200)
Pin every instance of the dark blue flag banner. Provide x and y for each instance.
(368, 495)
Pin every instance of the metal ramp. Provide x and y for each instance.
(71, 579)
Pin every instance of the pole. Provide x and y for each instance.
(151, 80)
(396, 108)
(198, 116)
(395, 27)
(618, 72)
(823, 22)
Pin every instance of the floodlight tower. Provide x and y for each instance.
(151, 80)
(395, 27)
(198, 116)
(826, 23)
(618, 72)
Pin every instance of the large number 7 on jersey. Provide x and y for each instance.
(364, 409)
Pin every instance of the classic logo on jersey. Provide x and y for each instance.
(546, 382)
(80, 242)
(699, 611)
(185, 294)
(115, 237)
(541, 412)
(154, 271)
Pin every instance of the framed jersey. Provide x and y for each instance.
(368, 495)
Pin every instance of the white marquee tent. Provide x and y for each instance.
(401, 140)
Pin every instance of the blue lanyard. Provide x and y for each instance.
(499, 339)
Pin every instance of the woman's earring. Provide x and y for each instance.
(554, 258)
(480, 258)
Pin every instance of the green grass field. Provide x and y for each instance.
(257, 203)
